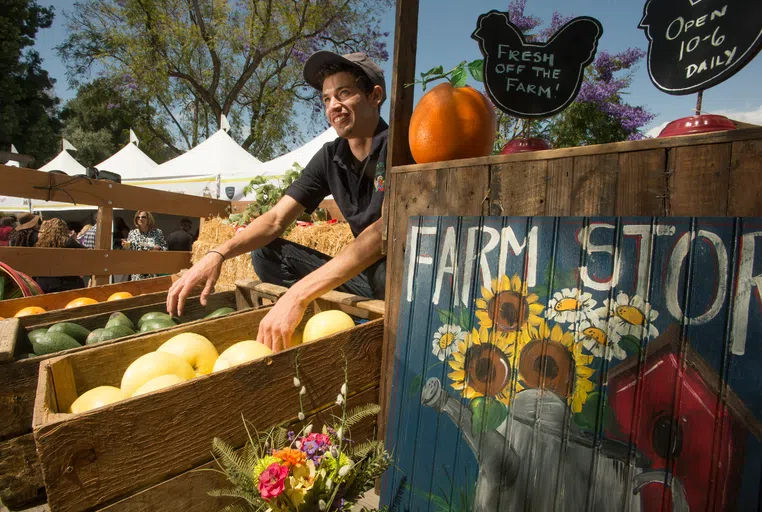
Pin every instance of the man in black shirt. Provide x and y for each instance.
(351, 168)
(181, 239)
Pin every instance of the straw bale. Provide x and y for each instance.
(326, 238)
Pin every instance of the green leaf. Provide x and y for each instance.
(476, 68)
(459, 77)
(447, 317)
(415, 385)
(433, 71)
(488, 414)
(465, 319)
(630, 344)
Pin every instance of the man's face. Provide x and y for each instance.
(185, 226)
(351, 112)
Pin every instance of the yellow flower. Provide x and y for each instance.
(300, 482)
(508, 306)
(549, 358)
(483, 365)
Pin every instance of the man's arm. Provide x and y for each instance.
(279, 324)
(260, 232)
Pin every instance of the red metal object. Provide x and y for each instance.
(702, 447)
(697, 124)
(522, 145)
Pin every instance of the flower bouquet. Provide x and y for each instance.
(284, 470)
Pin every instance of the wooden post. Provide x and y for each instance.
(103, 240)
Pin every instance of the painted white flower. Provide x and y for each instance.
(599, 340)
(571, 306)
(630, 316)
(446, 340)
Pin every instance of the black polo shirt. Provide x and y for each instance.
(358, 189)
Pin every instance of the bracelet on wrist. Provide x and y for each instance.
(217, 252)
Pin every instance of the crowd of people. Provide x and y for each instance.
(30, 230)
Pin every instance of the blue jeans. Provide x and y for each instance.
(283, 263)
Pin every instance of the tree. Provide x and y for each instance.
(98, 122)
(193, 61)
(600, 113)
(28, 105)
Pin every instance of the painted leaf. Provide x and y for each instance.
(415, 385)
(488, 414)
(630, 344)
(447, 317)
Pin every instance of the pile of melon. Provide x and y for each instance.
(79, 301)
(189, 355)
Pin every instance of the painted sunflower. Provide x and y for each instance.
(549, 358)
(483, 365)
(508, 306)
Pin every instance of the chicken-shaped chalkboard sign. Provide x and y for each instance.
(533, 80)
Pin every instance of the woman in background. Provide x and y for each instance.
(6, 228)
(145, 237)
(55, 233)
(25, 234)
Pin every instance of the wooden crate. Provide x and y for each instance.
(119, 453)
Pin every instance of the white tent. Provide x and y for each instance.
(278, 166)
(64, 162)
(13, 163)
(216, 155)
(130, 163)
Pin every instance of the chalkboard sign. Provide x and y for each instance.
(534, 80)
(696, 44)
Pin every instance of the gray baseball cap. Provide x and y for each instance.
(360, 60)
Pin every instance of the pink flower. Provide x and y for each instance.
(272, 481)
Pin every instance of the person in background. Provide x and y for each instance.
(145, 237)
(55, 233)
(121, 232)
(25, 234)
(82, 235)
(181, 239)
(6, 228)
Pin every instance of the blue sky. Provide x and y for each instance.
(444, 38)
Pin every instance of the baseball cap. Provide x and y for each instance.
(360, 60)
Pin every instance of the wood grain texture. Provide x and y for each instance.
(598, 149)
(745, 200)
(558, 194)
(188, 492)
(36, 261)
(518, 188)
(20, 474)
(9, 333)
(28, 183)
(141, 441)
(103, 237)
(699, 180)
(51, 301)
(641, 187)
(594, 185)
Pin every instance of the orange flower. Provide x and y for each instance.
(290, 457)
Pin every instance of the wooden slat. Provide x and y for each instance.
(642, 183)
(28, 183)
(699, 180)
(558, 195)
(594, 185)
(598, 149)
(36, 261)
(746, 160)
(51, 301)
(188, 492)
(103, 237)
(518, 188)
(138, 442)
(20, 474)
(9, 332)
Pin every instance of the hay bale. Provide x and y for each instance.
(326, 238)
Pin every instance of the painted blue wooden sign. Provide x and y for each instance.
(572, 364)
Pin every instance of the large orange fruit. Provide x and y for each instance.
(450, 123)
(81, 301)
(31, 310)
(119, 295)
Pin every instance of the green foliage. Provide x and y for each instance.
(457, 76)
(28, 105)
(488, 414)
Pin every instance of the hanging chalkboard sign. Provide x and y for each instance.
(534, 80)
(696, 44)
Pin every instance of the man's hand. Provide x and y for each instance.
(279, 324)
(206, 269)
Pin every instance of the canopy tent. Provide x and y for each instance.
(204, 186)
(278, 166)
(130, 163)
(13, 163)
(64, 162)
(216, 155)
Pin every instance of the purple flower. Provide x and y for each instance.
(517, 17)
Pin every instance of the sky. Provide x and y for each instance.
(444, 38)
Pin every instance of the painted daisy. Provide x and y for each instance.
(548, 358)
(446, 340)
(630, 316)
(508, 306)
(601, 341)
(571, 306)
(484, 366)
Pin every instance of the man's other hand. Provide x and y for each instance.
(207, 269)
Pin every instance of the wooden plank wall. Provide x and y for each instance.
(715, 174)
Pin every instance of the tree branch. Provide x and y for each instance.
(216, 66)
